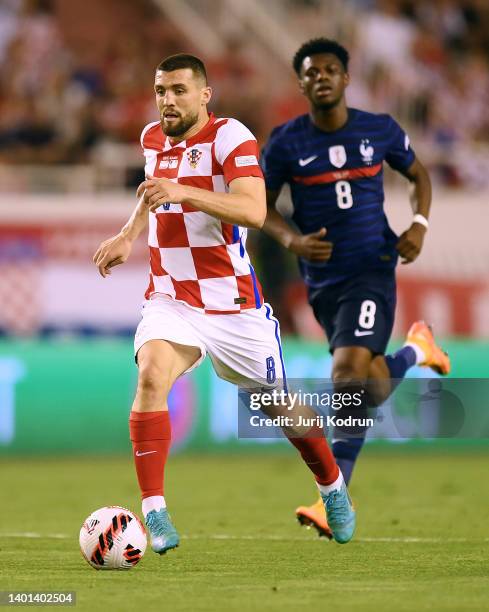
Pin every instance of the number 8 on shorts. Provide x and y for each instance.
(367, 314)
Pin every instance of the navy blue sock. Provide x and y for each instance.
(400, 362)
(346, 452)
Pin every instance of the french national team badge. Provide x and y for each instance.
(366, 151)
(337, 156)
(193, 157)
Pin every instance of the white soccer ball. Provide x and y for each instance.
(113, 538)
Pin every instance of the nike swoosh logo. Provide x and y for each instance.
(308, 160)
(363, 333)
(140, 454)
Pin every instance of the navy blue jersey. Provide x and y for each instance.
(336, 182)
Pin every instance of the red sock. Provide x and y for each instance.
(317, 455)
(150, 434)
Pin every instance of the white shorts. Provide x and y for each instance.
(244, 348)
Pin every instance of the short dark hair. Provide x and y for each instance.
(320, 45)
(183, 60)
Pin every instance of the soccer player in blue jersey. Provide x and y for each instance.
(332, 158)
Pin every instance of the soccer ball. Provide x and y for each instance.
(112, 538)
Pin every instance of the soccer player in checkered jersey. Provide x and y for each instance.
(203, 188)
(332, 159)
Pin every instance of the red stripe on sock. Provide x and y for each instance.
(150, 434)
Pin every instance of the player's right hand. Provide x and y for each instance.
(312, 246)
(112, 252)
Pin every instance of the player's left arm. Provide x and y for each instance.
(411, 241)
(244, 205)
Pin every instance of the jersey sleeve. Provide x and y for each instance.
(399, 154)
(273, 163)
(236, 151)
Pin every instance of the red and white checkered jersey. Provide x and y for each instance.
(196, 258)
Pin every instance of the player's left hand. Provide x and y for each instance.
(410, 243)
(159, 191)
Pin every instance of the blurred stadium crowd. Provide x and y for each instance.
(75, 76)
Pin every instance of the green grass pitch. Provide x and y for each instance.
(421, 542)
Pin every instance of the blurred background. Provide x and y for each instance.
(75, 92)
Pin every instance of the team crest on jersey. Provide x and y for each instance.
(168, 163)
(193, 157)
(337, 156)
(366, 151)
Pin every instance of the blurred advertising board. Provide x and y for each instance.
(74, 396)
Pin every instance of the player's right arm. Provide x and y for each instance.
(276, 172)
(116, 250)
(308, 246)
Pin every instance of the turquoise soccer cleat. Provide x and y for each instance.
(163, 534)
(340, 514)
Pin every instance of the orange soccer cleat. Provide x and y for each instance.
(421, 335)
(315, 516)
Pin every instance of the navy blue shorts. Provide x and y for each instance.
(358, 311)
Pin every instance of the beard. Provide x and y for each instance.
(182, 126)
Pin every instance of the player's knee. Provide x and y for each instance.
(153, 380)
